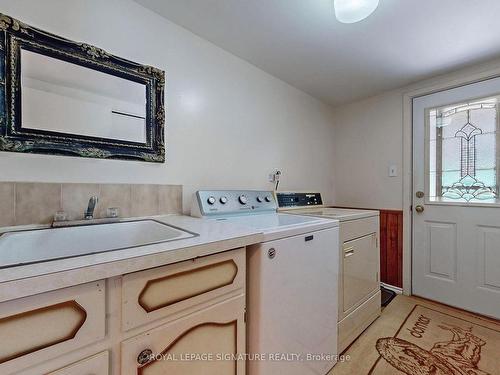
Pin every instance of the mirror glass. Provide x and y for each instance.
(59, 96)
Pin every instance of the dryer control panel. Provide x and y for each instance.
(232, 202)
(295, 199)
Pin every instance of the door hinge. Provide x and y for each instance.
(245, 317)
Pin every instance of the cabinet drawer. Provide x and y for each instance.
(47, 325)
(352, 229)
(216, 330)
(96, 365)
(156, 293)
(360, 270)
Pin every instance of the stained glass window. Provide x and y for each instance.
(463, 142)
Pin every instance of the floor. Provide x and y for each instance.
(414, 336)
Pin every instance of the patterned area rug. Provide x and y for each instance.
(417, 337)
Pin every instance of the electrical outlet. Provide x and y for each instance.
(275, 175)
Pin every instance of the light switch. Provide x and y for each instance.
(393, 171)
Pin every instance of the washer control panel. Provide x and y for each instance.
(292, 199)
(221, 202)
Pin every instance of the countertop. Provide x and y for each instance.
(213, 237)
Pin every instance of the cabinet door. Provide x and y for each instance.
(37, 328)
(96, 365)
(360, 269)
(205, 343)
(191, 285)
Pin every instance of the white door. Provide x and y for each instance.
(456, 205)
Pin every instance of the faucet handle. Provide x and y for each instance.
(89, 213)
(113, 212)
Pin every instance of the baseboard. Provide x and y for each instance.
(395, 289)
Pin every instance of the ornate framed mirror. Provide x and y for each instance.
(63, 97)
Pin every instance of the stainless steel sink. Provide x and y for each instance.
(33, 246)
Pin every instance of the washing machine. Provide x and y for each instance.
(292, 286)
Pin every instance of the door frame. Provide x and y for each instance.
(461, 78)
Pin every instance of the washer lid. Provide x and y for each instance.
(280, 225)
(270, 221)
(342, 214)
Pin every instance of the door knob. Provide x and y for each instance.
(419, 208)
(144, 356)
(271, 253)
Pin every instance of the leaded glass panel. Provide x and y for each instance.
(463, 149)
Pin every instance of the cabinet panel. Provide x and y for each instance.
(360, 269)
(95, 365)
(168, 290)
(159, 292)
(69, 316)
(63, 320)
(206, 334)
(350, 230)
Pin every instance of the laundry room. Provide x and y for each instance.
(261, 187)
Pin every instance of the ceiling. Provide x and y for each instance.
(301, 42)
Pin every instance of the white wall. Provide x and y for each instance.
(369, 138)
(228, 123)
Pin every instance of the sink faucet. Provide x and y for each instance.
(89, 214)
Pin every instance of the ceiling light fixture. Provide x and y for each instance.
(350, 11)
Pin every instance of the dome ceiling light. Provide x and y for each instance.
(351, 11)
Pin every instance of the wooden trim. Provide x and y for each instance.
(391, 247)
(149, 308)
(185, 333)
(72, 304)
